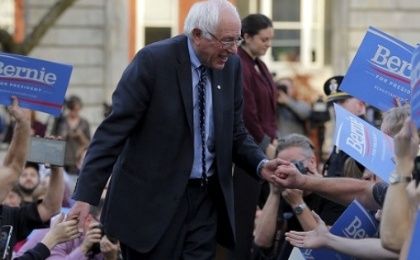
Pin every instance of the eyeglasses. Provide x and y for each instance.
(227, 44)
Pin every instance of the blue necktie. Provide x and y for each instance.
(202, 110)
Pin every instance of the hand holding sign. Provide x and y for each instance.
(380, 71)
(406, 144)
(39, 84)
(21, 115)
(364, 143)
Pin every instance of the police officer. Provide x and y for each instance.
(334, 166)
(337, 164)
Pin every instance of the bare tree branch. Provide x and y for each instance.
(31, 40)
(6, 40)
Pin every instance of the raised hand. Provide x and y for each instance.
(93, 235)
(310, 239)
(293, 197)
(61, 231)
(18, 113)
(406, 143)
(109, 249)
(79, 211)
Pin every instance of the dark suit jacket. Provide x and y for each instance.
(147, 145)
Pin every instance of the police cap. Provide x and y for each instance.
(332, 89)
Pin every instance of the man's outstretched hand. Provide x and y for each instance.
(79, 211)
(270, 167)
(288, 176)
(315, 238)
(282, 174)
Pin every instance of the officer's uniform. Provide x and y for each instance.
(334, 166)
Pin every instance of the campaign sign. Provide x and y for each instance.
(380, 71)
(355, 223)
(364, 143)
(38, 84)
(414, 252)
(415, 87)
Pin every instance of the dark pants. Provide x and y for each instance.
(246, 190)
(192, 232)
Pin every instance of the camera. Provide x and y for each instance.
(301, 167)
(96, 248)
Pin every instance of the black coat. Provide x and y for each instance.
(147, 145)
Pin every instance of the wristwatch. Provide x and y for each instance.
(299, 209)
(396, 178)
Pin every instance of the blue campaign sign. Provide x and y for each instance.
(364, 143)
(380, 71)
(415, 87)
(355, 223)
(414, 252)
(38, 84)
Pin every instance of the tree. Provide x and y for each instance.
(8, 44)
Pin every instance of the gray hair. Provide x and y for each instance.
(204, 15)
(295, 140)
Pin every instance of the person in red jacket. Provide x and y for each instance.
(259, 116)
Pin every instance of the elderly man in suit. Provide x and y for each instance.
(175, 129)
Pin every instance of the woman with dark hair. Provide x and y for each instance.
(75, 130)
(260, 119)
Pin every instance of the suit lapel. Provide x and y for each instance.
(185, 83)
(217, 93)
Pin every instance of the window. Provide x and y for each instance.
(155, 20)
(298, 31)
(289, 14)
(7, 16)
(154, 34)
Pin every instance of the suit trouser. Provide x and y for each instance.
(192, 231)
(246, 190)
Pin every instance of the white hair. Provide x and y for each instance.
(204, 15)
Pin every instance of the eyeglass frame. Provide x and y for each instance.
(227, 44)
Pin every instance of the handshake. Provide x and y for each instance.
(285, 174)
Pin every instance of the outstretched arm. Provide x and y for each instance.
(16, 154)
(294, 198)
(340, 190)
(265, 227)
(51, 203)
(369, 248)
(396, 218)
(413, 192)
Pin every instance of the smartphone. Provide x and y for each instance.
(45, 150)
(5, 235)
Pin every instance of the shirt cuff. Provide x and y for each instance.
(259, 167)
(41, 250)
